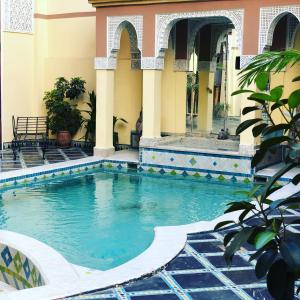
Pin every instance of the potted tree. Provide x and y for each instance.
(64, 117)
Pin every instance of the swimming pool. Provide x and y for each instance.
(104, 219)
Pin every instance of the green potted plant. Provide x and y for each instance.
(90, 121)
(64, 117)
(115, 133)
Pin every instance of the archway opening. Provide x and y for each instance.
(128, 91)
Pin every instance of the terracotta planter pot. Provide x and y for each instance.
(63, 139)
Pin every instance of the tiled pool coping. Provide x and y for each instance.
(167, 244)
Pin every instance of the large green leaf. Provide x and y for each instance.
(264, 238)
(277, 93)
(276, 128)
(246, 124)
(241, 92)
(222, 224)
(297, 78)
(296, 179)
(290, 251)
(249, 109)
(277, 279)
(262, 80)
(294, 99)
(257, 158)
(257, 130)
(239, 206)
(264, 263)
(238, 240)
(228, 237)
(261, 97)
(267, 144)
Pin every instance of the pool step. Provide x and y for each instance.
(260, 179)
(132, 165)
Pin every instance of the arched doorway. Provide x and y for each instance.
(128, 88)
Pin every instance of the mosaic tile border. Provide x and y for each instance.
(196, 164)
(17, 270)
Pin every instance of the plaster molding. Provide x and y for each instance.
(115, 27)
(269, 17)
(165, 22)
(181, 65)
(18, 16)
(105, 63)
(152, 63)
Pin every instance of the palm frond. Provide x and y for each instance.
(270, 61)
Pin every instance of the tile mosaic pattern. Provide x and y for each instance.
(197, 164)
(198, 272)
(32, 157)
(17, 270)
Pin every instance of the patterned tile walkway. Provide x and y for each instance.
(198, 272)
(32, 157)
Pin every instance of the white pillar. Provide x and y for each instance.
(104, 114)
(152, 104)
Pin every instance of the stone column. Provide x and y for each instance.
(205, 99)
(248, 143)
(151, 104)
(104, 114)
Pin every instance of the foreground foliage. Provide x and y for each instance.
(277, 255)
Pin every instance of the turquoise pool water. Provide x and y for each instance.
(102, 220)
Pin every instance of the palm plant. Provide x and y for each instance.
(90, 122)
(270, 61)
(277, 254)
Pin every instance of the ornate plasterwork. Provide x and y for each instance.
(165, 22)
(269, 17)
(181, 65)
(18, 16)
(152, 63)
(245, 60)
(115, 26)
(105, 63)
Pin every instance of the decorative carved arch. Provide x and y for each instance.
(269, 17)
(164, 24)
(134, 26)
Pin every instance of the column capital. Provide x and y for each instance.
(152, 63)
(181, 65)
(105, 63)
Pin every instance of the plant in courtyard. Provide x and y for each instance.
(220, 109)
(63, 114)
(90, 121)
(277, 255)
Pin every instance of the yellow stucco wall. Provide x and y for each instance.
(128, 91)
(17, 78)
(32, 62)
(173, 114)
(285, 78)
